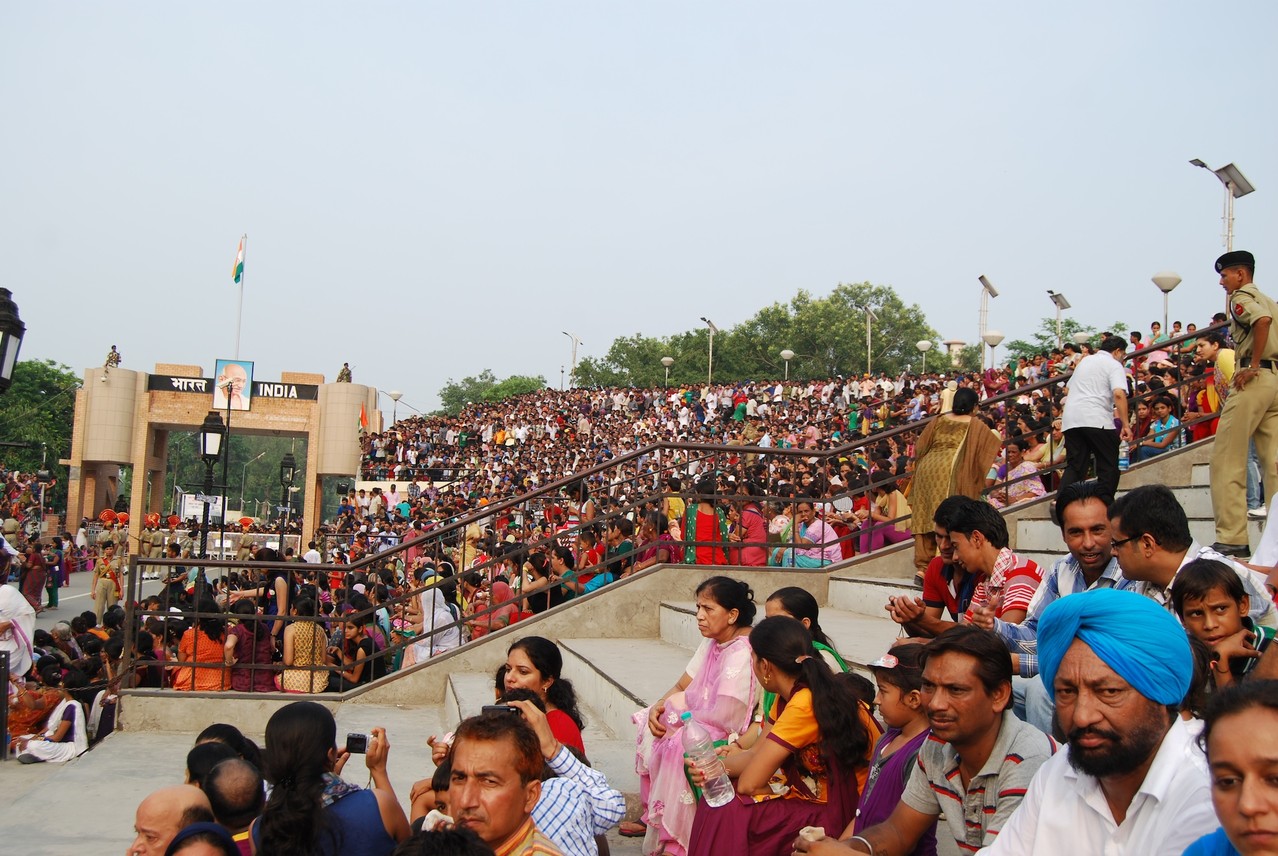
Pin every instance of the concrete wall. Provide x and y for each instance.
(111, 401)
(628, 609)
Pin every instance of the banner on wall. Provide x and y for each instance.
(233, 382)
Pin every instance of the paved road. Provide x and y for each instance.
(76, 598)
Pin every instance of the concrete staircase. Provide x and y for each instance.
(623, 647)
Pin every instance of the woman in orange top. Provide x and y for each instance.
(817, 734)
(202, 643)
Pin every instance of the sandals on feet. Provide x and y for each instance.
(633, 829)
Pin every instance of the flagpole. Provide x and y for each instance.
(239, 314)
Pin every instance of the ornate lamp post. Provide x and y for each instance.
(288, 471)
(210, 437)
(11, 332)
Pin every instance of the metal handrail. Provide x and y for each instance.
(638, 497)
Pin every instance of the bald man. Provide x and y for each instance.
(163, 813)
(234, 789)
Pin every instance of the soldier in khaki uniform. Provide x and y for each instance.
(1251, 410)
(245, 551)
(105, 537)
(144, 541)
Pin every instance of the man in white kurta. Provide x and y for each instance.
(1132, 781)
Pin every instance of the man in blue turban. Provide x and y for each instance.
(1117, 666)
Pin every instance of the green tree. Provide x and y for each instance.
(827, 335)
(38, 410)
(485, 387)
(1044, 339)
(970, 358)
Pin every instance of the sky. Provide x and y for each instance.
(431, 189)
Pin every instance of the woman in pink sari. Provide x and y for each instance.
(719, 689)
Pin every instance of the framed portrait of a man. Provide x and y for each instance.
(233, 380)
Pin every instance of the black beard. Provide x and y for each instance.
(1122, 756)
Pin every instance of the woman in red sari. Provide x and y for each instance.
(35, 574)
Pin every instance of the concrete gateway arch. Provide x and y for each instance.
(123, 418)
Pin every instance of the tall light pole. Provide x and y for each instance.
(710, 362)
(787, 355)
(575, 343)
(993, 338)
(244, 476)
(924, 345)
(1236, 187)
(667, 362)
(1166, 281)
(987, 291)
(395, 396)
(1061, 305)
(869, 341)
(11, 332)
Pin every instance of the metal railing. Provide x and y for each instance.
(633, 485)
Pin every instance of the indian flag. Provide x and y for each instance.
(237, 274)
(363, 419)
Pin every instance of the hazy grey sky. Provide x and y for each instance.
(431, 189)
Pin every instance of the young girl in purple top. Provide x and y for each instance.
(899, 674)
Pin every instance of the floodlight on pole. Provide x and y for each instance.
(987, 291)
(1166, 281)
(575, 343)
(710, 362)
(924, 345)
(993, 338)
(1061, 305)
(1236, 187)
(667, 362)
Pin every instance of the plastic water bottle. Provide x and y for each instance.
(697, 745)
(1124, 456)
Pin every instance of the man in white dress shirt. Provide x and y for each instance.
(1132, 780)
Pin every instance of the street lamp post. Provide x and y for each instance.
(11, 332)
(710, 361)
(667, 362)
(987, 291)
(395, 396)
(1166, 281)
(575, 343)
(211, 436)
(1236, 187)
(924, 345)
(787, 355)
(869, 355)
(288, 471)
(993, 338)
(244, 477)
(1061, 304)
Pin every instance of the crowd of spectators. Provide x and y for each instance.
(310, 625)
